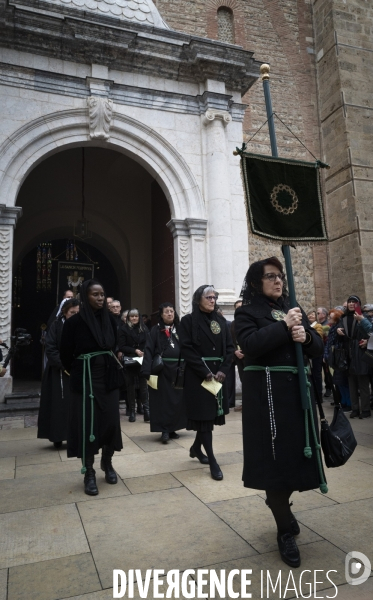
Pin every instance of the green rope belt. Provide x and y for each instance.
(172, 359)
(219, 396)
(308, 417)
(86, 358)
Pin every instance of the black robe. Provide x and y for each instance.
(77, 339)
(266, 341)
(167, 405)
(201, 404)
(55, 392)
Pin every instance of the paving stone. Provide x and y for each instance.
(103, 595)
(3, 584)
(7, 468)
(348, 526)
(320, 555)
(30, 536)
(363, 439)
(18, 434)
(201, 484)
(229, 458)
(177, 531)
(18, 447)
(151, 483)
(48, 490)
(151, 443)
(352, 481)
(38, 459)
(253, 521)
(52, 579)
(7, 423)
(362, 453)
(49, 468)
(151, 463)
(363, 591)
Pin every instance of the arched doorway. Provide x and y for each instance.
(127, 213)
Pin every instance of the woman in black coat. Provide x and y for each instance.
(132, 337)
(55, 392)
(278, 456)
(167, 406)
(88, 344)
(207, 349)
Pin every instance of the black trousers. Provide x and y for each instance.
(134, 381)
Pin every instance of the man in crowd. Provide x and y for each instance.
(115, 308)
(109, 300)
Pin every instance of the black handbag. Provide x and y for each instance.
(157, 364)
(129, 362)
(337, 439)
(338, 359)
(178, 383)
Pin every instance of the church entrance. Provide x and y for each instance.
(88, 211)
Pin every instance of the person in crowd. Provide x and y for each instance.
(340, 378)
(354, 330)
(124, 315)
(132, 337)
(167, 405)
(368, 312)
(115, 308)
(207, 349)
(322, 318)
(88, 344)
(109, 301)
(147, 321)
(53, 316)
(316, 360)
(55, 392)
(278, 456)
(238, 354)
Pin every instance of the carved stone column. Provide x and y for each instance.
(8, 219)
(190, 259)
(218, 200)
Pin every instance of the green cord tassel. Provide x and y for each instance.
(323, 488)
(308, 452)
(92, 438)
(83, 470)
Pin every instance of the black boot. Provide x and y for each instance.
(288, 550)
(197, 453)
(110, 474)
(132, 418)
(295, 529)
(57, 444)
(146, 414)
(90, 486)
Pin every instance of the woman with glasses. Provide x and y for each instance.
(207, 349)
(279, 456)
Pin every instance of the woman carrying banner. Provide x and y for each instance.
(278, 436)
(167, 406)
(207, 349)
(88, 343)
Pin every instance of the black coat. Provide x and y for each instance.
(131, 339)
(357, 365)
(77, 339)
(201, 404)
(266, 341)
(55, 392)
(167, 405)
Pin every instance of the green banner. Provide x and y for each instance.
(283, 199)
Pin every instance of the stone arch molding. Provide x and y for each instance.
(35, 141)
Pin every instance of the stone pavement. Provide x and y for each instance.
(167, 513)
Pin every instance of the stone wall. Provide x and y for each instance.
(344, 46)
(279, 32)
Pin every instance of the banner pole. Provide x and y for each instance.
(264, 69)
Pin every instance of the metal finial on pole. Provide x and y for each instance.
(264, 69)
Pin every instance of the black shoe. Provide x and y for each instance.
(107, 467)
(90, 485)
(165, 437)
(193, 453)
(57, 444)
(146, 415)
(354, 414)
(289, 550)
(216, 472)
(328, 393)
(132, 418)
(294, 525)
(365, 414)
(140, 410)
(174, 435)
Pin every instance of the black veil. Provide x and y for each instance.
(98, 322)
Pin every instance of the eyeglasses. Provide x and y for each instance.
(273, 276)
(211, 298)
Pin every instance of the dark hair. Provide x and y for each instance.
(69, 304)
(253, 285)
(166, 305)
(237, 302)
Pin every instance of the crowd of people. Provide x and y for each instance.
(180, 374)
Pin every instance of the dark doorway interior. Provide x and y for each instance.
(32, 307)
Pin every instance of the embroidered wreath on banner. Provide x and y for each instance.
(281, 187)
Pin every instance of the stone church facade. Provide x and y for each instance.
(173, 86)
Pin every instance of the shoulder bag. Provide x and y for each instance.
(178, 383)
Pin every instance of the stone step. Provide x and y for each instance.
(24, 407)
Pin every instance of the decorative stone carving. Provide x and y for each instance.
(100, 115)
(184, 276)
(211, 115)
(5, 281)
